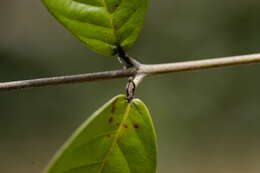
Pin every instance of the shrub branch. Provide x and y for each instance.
(143, 70)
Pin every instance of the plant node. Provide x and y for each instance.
(128, 62)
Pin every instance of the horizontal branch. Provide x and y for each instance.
(143, 70)
(89, 77)
(200, 64)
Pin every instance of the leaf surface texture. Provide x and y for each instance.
(118, 138)
(102, 25)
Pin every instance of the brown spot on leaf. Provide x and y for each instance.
(116, 5)
(136, 126)
(117, 124)
(125, 125)
(109, 135)
(114, 106)
(110, 120)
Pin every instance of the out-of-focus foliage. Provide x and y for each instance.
(207, 121)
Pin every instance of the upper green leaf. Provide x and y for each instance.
(103, 25)
(118, 138)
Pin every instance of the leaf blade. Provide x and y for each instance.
(103, 145)
(91, 19)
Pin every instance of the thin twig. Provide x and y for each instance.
(138, 79)
(142, 70)
(89, 77)
(199, 64)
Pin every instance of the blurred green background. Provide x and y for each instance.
(207, 121)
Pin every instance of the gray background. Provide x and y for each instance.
(207, 121)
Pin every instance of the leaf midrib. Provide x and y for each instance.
(111, 18)
(105, 6)
(114, 142)
(112, 26)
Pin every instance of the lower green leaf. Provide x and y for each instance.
(118, 138)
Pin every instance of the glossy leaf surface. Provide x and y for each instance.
(118, 138)
(101, 24)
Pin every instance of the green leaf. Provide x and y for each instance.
(118, 138)
(103, 25)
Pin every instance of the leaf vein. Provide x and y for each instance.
(129, 18)
(82, 166)
(89, 38)
(115, 138)
(85, 3)
(95, 137)
(124, 155)
(81, 20)
(137, 134)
